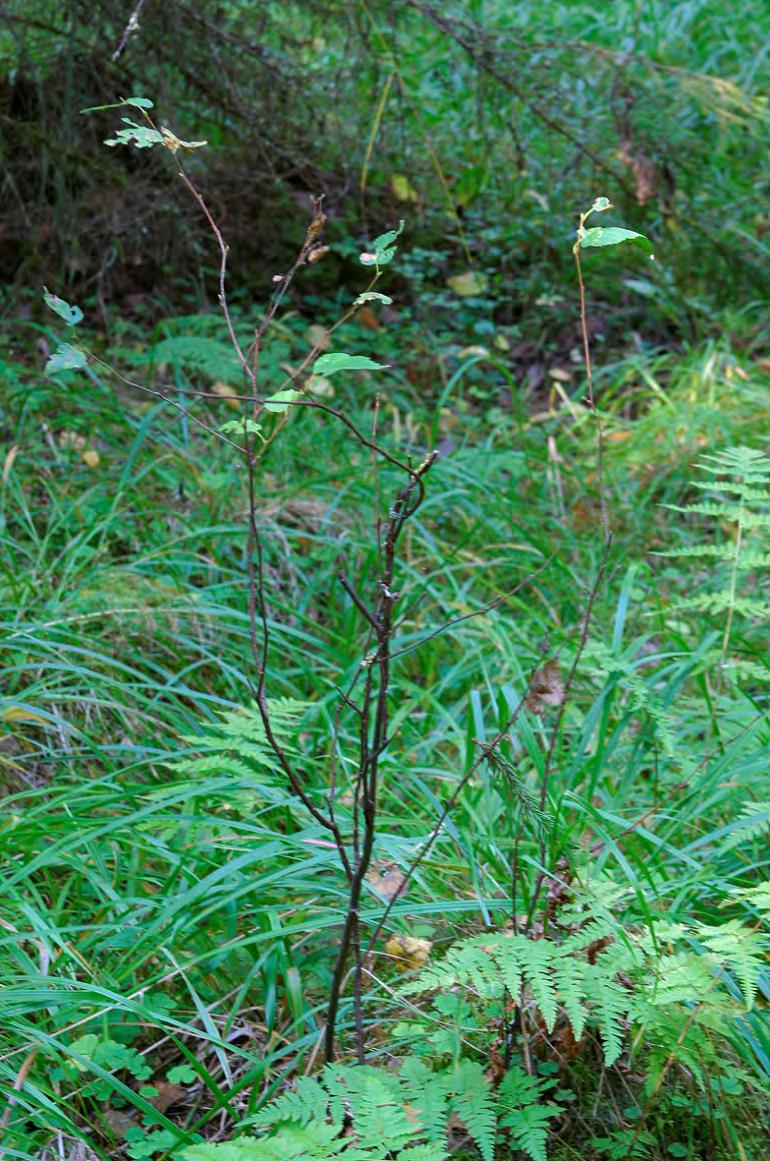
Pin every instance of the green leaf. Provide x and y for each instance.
(280, 401)
(240, 427)
(383, 250)
(372, 296)
(142, 136)
(613, 236)
(72, 315)
(159, 1141)
(84, 1046)
(181, 1074)
(66, 358)
(331, 364)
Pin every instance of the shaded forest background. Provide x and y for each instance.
(482, 124)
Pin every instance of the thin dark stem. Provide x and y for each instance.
(373, 741)
(556, 730)
(224, 250)
(595, 587)
(132, 27)
(485, 750)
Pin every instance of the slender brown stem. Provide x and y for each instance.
(600, 434)
(598, 580)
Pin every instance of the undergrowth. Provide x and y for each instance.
(556, 889)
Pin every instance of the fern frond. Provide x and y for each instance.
(706, 509)
(381, 1120)
(709, 551)
(740, 949)
(757, 897)
(529, 1128)
(521, 1112)
(471, 1100)
(236, 744)
(427, 1098)
(739, 668)
(554, 976)
(611, 1004)
(315, 1142)
(679, 978)
(300, 1106)
(753, 822)
(740, 461)
(422, 1153)
(605, 662)
(212, 357)
(721, 603)
(538, 967)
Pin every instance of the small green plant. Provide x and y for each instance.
(738, 503)
(361, 1113)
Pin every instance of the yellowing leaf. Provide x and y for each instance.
(471, 282)
(318, 337)
(21, 713)
(91, 458)
(403, 190)
(408, 952)
(10, 456)
(227, 393)
(321, 386)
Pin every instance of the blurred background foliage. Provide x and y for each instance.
(482, 123)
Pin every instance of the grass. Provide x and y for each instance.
(169, 913)
(190, 913)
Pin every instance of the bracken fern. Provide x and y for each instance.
(740, 491)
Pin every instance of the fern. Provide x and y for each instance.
(552, 976)
(363, 1113)
(742, 501)
(604, 662)
(526, 1119)
(308, 1102)
(401, 1115)
(429, 1099)
(758, 896)
(312, 1141)
(740, 950)
(753, 822)
(471, 1100)
(237, 746)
